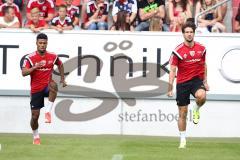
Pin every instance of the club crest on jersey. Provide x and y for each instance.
(192, 53)
(44, 8)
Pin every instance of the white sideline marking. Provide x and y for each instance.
(117, 157)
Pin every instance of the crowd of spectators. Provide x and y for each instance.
(124, 15)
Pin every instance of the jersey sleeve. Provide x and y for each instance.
(29, 6)
(140, 4)
(69, 21)
(204, 54)
(26, 63)
(54, 21)
(106, 8)
(161, 2)
(134, 7)
(90, 7)
(76, 13)
(173, 60)
(115, 8)
(58, 61)
(204, 51)
(51, 7)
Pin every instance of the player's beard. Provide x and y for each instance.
(189, 41)
(41, 51)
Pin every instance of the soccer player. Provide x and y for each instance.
(39, 65)
(188, 60)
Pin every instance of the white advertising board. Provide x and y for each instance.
(223, 54)
(148, 117)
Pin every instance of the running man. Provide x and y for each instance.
(39, 65)
(188, 60)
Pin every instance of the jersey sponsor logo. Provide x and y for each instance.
(193, 60)
(44, 69)
(43, 62)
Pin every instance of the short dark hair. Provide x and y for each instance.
(42, 36)
(6, 9)
(189, 23)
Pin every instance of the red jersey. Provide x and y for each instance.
(42, 76)
(41, 23)
(190, 61)
(45, 7)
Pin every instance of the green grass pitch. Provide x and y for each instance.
(104, 147)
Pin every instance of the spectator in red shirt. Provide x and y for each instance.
(188, 60)
(39, 65)
(46, 8)
(36, 24)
